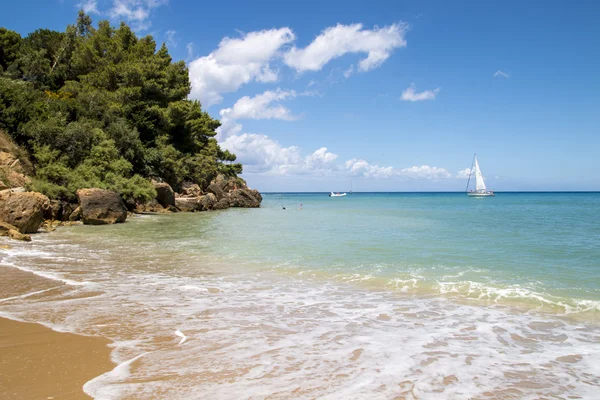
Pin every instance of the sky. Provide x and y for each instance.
(381, 95)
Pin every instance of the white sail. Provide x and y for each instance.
(479, 183)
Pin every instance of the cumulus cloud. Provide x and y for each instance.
(463, 173)
(136, 12)
(261, 106)
(500, 74)
(237, 61)
(359, 167)
(362, 168)
(411, 95)
(261, 154)
(89, 6)
(336, 41)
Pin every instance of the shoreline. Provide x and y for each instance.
(38, 362)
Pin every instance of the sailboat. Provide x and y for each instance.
(480, 189)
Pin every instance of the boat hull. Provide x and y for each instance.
(475, 194)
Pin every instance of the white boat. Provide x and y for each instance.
(480, 189)
(338, 194)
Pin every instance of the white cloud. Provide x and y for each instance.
(171, 40)
(359, 167)
(261, 154)
(261, 106)
(136, 12)
(236, 62)
(89, 6)
(339, 40)
(501, 74)
(425, 172)
(362, 168)
(410, 95)
(463, 173)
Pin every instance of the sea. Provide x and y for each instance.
(367, 296)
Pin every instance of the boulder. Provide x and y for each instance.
(99, 207)
(5, 227)
(16, 235)
(216, 190)
(75, 214)
(221, 204)
(246, 198)
(150, 207)
(24, 210)
(164, 194)
(190, 189)
(189, 204)
(208, 201)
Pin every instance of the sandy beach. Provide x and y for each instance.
(39, 363)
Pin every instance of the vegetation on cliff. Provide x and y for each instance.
(101, 107)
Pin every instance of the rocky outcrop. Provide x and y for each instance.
(246, 198)
(188, 204)
(24, 210)
(12, 232)
(164, 194)
(199, 203)
(189, 189)
(222, 193)
(99, 207)
(216, 190)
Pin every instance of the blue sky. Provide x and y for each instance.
(388, 95)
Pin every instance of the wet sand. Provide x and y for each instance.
(39, 363)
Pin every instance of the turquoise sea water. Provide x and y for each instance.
(368, 296)
(513, 245)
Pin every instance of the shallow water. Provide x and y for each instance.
(376, 296)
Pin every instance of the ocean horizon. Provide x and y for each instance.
(371, 295)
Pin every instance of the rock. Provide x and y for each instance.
(164, 194)
(66, 210)
(99, 206)
(216, 190)
(221, 204)
(189, 189)
(24, 210)
(246, 198)
(189, 204)
(208, 201)
(5, 227)
(75, 215)
(150, 207)
(14, 234)
(54, 211)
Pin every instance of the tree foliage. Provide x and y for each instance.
(101, 107)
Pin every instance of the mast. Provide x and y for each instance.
(470, 172)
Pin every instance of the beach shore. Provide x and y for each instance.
(39, 363)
